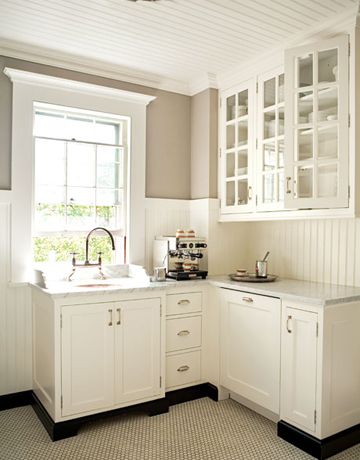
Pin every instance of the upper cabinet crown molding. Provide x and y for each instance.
(22, 76)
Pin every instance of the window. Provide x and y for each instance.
(80, 180)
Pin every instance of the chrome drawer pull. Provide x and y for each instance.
(248, 299)
(119, 316)
(110, 323)
(184, 302)
(182, 333)
(183, 368)
(289, 318)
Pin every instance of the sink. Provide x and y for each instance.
(97, 285)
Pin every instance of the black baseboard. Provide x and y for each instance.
(319, 448)
(190, 393)
(62, 430)
(22, 398)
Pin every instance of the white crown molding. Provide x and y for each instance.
(198, 85)
(22, 76)
(342, 23)
(98, 68)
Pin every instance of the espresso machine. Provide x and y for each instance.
(183, 258)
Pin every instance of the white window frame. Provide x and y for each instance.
(30, 87)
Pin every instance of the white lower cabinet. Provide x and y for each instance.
(250, 347)
(110, 354)
(299, 367)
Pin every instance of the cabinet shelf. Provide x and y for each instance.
(322, 126)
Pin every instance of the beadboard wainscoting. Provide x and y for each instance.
(15, 319)
(315, 250)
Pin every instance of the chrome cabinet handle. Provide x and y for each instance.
(248, 299)
(288, 179)
(118, 322)
(289, 318)
(182, 333)
(250, 192)
(110, 323)
(183, 302)
(183, 368)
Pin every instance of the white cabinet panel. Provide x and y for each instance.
(299, 367)
(87, 357)
(182, 369)
(137, 349)
(188, 302)
(183, 333)
(250, 347)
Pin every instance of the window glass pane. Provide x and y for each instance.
(304, 144)
(304, 182)
(269, 188)
(281, 122)
(81, 164)
(80, 128)
(269, 160)
(48, 124)
(242, 192)
(230, 193)
(50, 194)
(305, 107)
(230, 165)
(281, 186)
(269, 124)
(281, 89)
(107, 133)
(305, 70)
(328, 142)
(243, 102)
(328, 70)
(50, 162)
(242, 166)
(230, 136)
(50, 217)
(281, 150)
(230, 108)
(109, 167)
(242, 133)
(328, 104)
(269, 92)
(327, 181)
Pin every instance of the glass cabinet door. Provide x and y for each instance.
(237, 149)
(270, 148)
(316, 142)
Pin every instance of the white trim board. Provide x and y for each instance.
(46, 81)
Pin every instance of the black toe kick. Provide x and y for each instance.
(62, 430)
(319, 448)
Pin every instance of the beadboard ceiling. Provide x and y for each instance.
(174, 43)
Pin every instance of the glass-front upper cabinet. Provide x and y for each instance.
(270, 145)
(316, 125)
(237, 149)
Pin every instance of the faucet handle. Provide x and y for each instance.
(99, 258)
(73, 257)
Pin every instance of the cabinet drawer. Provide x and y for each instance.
(182, 369)
(183, 303)
(255, 300)
(182, 333)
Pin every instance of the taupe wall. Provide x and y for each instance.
(204, 128)
(168, 130)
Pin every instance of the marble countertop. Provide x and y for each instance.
(296, 290)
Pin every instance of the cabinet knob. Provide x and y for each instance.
(182, 333)
(183, 368)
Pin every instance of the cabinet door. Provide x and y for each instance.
(137, 349)
(298, 368)
(237, 149)
(270, 148)
(316, 125)
(250, 347)
(87, 344)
